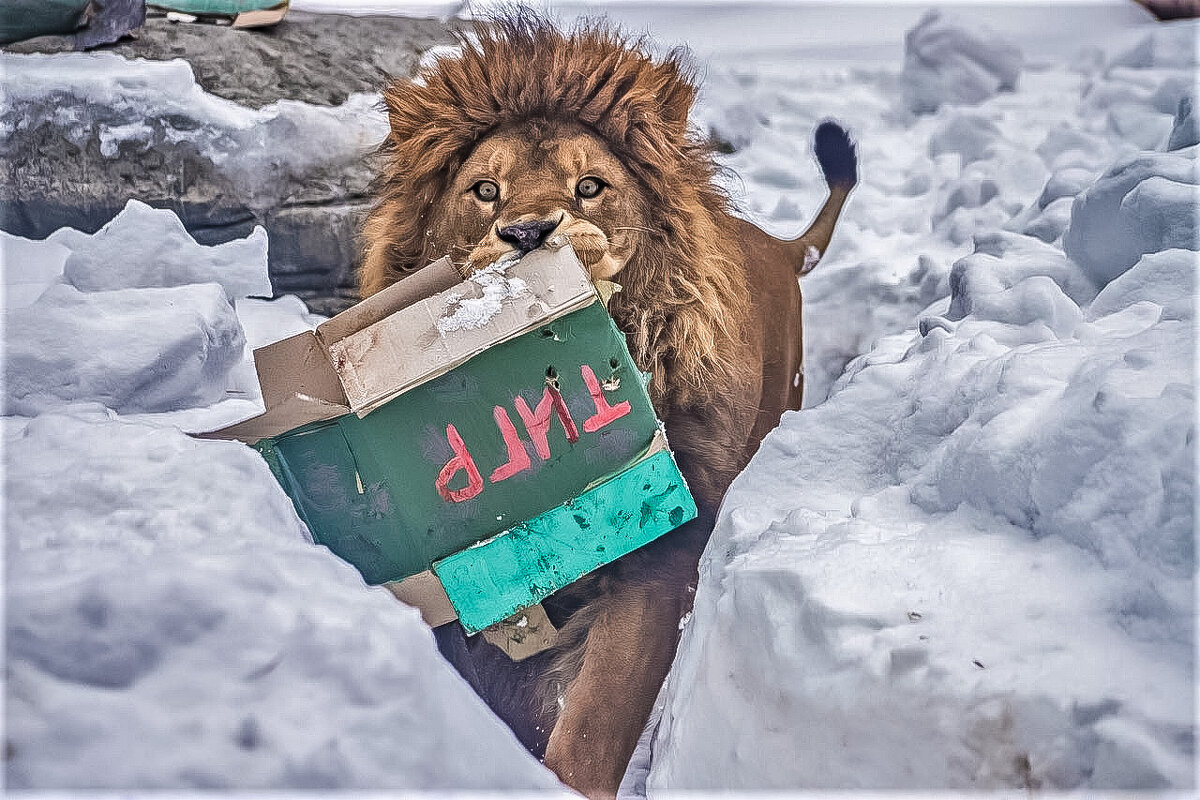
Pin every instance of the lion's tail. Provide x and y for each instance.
(835, 153)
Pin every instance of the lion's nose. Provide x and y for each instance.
(526, 236)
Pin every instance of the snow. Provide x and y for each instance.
(968, 563)
(143, 246)
(972, 566)
(950, 61)
(132, 349)
(982, 543)
(464, 313)
(171, 627)
(41, 265)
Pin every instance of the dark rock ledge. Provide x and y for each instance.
(52, 178)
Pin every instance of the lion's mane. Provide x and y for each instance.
(684, 304)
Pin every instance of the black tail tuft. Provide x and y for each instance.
(835, 154)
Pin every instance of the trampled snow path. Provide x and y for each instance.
(971, 567)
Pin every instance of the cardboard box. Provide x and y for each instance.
(475, 445)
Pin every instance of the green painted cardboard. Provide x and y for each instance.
(554, 549)
(473, 472)
(368, 488)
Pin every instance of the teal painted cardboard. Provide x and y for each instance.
(552, 550)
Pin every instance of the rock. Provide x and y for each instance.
(75, 156)
(315, 58)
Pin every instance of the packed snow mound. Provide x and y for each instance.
(1185, 129)
(155, 641)
(947, 60)
(130, 349)
(137, 104)
(1143, 204)
(29, 267)
(1171, 44)
(942, 553)
(144, 246)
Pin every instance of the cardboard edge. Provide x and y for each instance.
(425, 592)
(428, 281)
(296, 411)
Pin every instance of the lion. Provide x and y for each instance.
(530, 133)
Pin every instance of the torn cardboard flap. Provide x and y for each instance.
(390, 342)
(409, 347)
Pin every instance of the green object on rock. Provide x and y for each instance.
(25, 19)
(215, 7)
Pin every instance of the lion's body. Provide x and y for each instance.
(494, 152)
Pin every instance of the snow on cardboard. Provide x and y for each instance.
(394, 429)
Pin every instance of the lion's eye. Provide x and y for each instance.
(487, 191)
(589, 187)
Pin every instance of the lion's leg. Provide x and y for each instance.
(630, 644)
(628, 653)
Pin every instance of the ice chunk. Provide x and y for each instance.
(1049, 223)
(144, 246)
(1143, 204)
(1169, 45)
(130, 349)
(1065, 183)
(950, 61)
(1001, 261)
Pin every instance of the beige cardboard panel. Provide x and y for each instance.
(297, 365)
(524, 634)
(293, 412)
(425, 591)
(406, 349)
(425, 282)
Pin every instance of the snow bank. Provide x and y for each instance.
(29, 267)
(169, 626)
(130, 349)
(1143, 204)
(143, 246)
(951, 61)
(972, 567)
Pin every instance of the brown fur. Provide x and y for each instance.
(710, 305)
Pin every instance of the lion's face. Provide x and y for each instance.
(526, 184)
